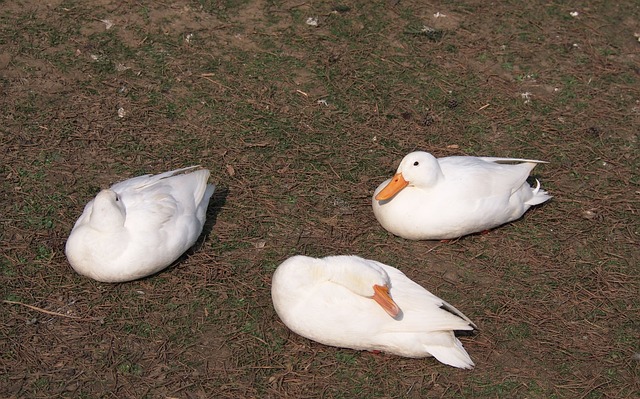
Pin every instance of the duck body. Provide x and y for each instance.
(140, 226)
(351, 302)
(442, 198)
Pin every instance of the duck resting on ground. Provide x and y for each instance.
(443, 198)
(140, 226)
(351, 302)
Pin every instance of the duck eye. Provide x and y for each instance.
(117, 198)
(416, 163)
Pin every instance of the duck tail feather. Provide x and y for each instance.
(455, 356)
(538, 195)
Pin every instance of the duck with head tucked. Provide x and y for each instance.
(351, 302)
(443, 198)
(140, 226)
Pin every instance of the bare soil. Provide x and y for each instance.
(298, 124)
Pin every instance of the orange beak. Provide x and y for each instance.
(382, 297)
(395, 185)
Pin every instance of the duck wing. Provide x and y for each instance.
(422, 310)
(152, 201)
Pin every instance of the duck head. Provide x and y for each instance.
(364, 278)
(108, 212)
(416, 169)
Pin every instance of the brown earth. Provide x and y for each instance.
(299, 124)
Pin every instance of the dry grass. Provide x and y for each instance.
(555, 294)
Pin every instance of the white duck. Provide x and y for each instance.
(450, 197)
(351, 302)
(140, 226)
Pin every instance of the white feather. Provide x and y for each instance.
(454, 196)
(323, 300)
(139, 226)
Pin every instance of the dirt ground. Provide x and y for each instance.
(300, 109)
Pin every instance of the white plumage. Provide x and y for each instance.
(140, 226)
(351, 302)
(442, 198)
